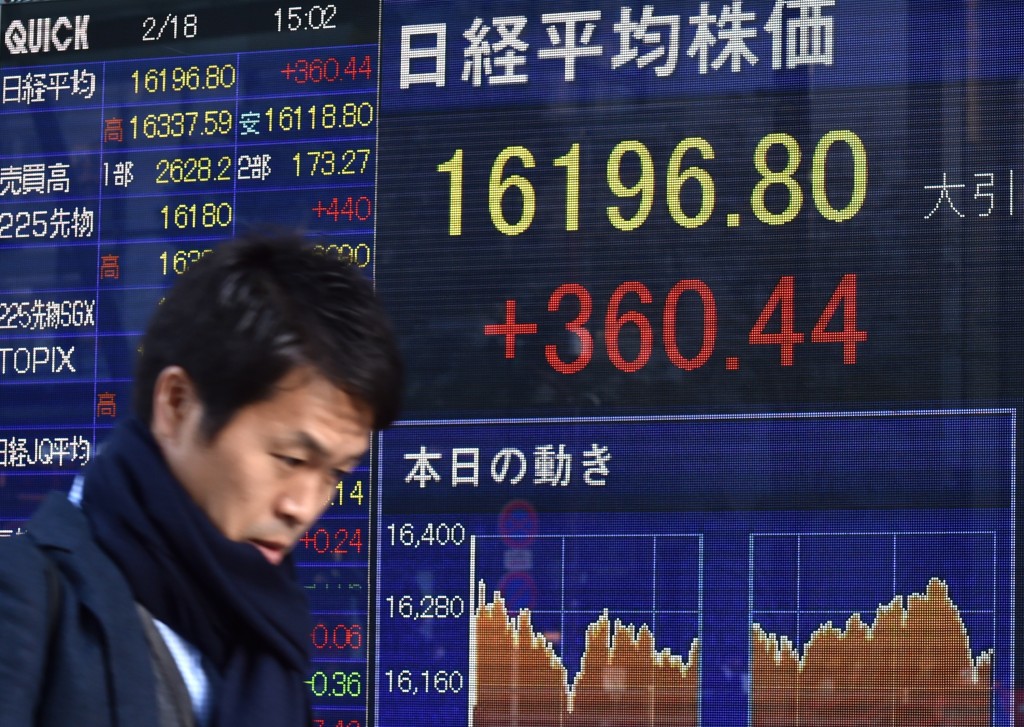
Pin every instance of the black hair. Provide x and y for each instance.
(254, 309)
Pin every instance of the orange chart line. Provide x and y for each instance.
(912, 666)
(623, 679)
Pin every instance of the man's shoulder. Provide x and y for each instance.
(59, 525)
(92, 658)
(59, 538)
(23, 553)
(25, 564)
(21, 560)
(63, 533)
(25, 597)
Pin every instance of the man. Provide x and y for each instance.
(161, 591)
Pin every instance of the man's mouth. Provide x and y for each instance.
(273, 552)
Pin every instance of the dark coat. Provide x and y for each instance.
(97, 671)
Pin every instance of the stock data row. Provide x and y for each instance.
(55, 275)
(225, 77)
(192, 124)
(210, 216)
(183, 171)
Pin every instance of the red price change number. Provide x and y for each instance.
(304, 71)
(337, 637)
(345, 209)
(626, 311)
(336, 541)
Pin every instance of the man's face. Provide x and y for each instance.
(270, 473)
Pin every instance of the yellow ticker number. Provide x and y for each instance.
(630, 173)
(571, 162)
(676, 179)
(180, 124)
(213, 77)
(819, 180)
(770, 177)
(328, 163)
(500, 185)
(644, 186)
(181, 261)
(358, 254)
(353, 493)
(860, 175)
(193, 170)
(454, 167)
(349, 115)
(209, 215)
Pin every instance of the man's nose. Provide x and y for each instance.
(302, 505)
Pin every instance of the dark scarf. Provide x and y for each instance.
(247, 617)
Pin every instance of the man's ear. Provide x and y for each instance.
(175, 405)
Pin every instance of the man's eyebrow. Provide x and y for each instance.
(308, 443)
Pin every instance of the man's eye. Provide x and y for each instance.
(289, 461)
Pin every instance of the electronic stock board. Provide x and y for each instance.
(711, 313)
